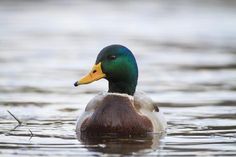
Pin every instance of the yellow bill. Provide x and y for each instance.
(95, 74)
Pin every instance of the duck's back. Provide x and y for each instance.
(117, 113)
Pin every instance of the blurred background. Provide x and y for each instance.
(185, 49)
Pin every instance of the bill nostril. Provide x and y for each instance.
(94, 71)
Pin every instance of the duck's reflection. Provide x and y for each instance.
(116, 144)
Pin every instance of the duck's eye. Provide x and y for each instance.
(111, 57)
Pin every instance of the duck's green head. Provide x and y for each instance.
(117, 64)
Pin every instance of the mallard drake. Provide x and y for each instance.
(121, 110)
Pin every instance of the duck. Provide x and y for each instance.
(122, 109)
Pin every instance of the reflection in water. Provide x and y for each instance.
(115, 144)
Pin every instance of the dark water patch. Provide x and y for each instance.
(225, 103)
(198, 134)
(32, 90)
(198, 143)
(39, 135)
(187, 46)
(189, 151)
(29, 103)
(166, 104)
(210, 67)
(5, 145)
(197, 104)
(218, 116)
(184, 88)
(45, 123)
(50, 120)
(211, 84)
(68, 109)
(222, 128)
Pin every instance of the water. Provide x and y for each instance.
(187, 59)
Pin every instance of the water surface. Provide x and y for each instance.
(186, 54)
